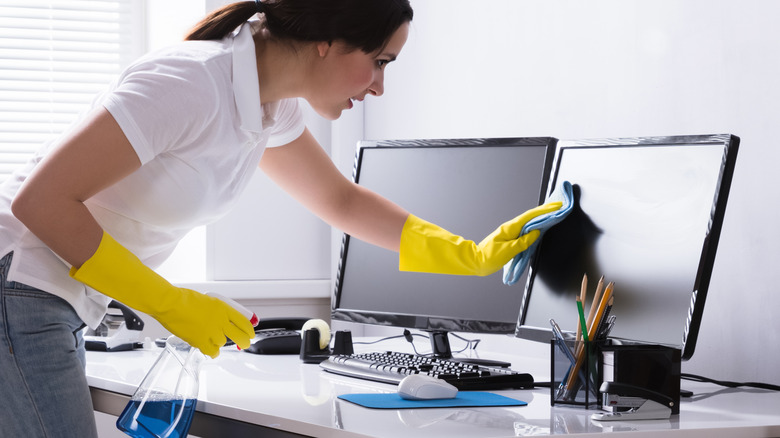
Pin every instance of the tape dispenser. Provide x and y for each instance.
(316, 341)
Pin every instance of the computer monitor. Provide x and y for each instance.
(467, 186)
(647, 216)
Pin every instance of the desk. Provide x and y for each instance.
(242, 394)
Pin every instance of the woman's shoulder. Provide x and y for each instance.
(186, 56)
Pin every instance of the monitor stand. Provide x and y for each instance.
(440, 346)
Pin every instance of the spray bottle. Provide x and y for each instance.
(165, 401)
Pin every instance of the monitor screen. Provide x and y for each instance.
(467, 186)
(647, 216)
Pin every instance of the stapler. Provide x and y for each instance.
(633, 403)
(119, 331)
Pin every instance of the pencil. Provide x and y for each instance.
(581, 314)
(605, 300)
(582, 298)
(594, 304)
(592, 331)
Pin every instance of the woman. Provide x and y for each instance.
(170, 146)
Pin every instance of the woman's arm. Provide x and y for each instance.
(51, 205)
(305, 171)
(51, 202)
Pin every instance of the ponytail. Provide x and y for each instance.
(362, 24)
(221, 22)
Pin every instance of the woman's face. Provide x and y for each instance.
(343, 76)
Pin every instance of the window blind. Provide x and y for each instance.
(55, 56)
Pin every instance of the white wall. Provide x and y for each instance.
(572, 69)
(604, 69)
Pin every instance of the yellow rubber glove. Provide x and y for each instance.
(202, 321)
(426, 247)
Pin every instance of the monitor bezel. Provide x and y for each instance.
(690, 331)
(423, 322)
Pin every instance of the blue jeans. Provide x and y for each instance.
(43, 386)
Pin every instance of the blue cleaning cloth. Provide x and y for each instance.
(563, 193)
(463, 399)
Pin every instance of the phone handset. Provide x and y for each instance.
(280, 335)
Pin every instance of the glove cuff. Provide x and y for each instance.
(426, 247)
(118, 273)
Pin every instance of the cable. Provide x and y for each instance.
(410, 339)
(470, 343)
(381, 340)
(728, 384)
(409, 336)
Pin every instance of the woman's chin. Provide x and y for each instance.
(330, 113)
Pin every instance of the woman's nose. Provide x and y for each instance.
(377, 88)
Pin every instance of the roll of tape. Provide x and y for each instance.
(322, 327)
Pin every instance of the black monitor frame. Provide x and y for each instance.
(437, 326)
(689, 333)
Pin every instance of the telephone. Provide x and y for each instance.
(277, 336)
(308, 337)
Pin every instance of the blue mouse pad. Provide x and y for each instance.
(463, 399)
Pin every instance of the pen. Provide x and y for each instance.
(607, 328)
(602, 323)
(561, 341)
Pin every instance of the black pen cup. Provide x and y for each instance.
(575, 374)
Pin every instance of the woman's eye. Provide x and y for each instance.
(381, 63)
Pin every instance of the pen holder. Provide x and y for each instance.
(576, 374)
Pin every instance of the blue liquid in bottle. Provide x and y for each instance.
(164, 403)
(157, 418)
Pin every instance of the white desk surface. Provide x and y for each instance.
(280, 392)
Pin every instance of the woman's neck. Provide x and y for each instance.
(282, 69)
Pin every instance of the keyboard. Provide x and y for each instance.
(391, 367)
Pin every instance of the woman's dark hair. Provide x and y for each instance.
(361, 24)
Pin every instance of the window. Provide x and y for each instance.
(55, 56)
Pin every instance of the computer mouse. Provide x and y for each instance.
(424, 387)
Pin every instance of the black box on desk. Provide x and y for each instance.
(653, 367)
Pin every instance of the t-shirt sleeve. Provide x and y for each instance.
(289, 123)
(163, 102)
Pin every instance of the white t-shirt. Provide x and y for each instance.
(192, 113)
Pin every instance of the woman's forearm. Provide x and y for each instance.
(373, 219)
